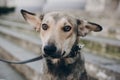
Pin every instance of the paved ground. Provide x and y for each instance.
(110, 64)
(8, 73)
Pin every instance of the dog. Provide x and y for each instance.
(59, 33)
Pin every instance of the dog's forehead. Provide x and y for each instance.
(57, 16)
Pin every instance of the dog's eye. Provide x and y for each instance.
(44, 26)
(66, 28)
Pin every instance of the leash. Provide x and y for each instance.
(24, 62)
(72, 54)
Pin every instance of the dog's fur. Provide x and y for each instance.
(61, 30)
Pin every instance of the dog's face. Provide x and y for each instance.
(59, 31)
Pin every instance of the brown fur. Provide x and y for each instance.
(71, 68)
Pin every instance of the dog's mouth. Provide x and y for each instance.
(58, 54)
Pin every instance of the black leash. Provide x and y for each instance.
(73, 53)
(24, 62)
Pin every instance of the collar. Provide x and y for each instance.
(75, 50)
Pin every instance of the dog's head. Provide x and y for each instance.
(59, 31)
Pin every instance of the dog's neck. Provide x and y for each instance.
(74, 51)
(65, 66)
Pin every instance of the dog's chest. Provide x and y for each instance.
(60, 68)
(63, 71)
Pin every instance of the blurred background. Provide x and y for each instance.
(19, 41)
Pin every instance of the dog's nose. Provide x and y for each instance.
(50, 49)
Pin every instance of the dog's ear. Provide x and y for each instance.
(32, 19)
(85, 27)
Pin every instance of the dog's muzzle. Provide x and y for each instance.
(51, 51)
